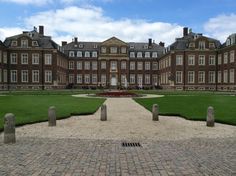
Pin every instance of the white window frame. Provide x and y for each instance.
(71, 54)
(219, 76)
(201, 60)
(87, 54)
(14, 76)
(13, 57)
(24, 58)
(79, 54)
(71, 65)
(132, 54)
(35, 58)
(211, 77)
(86, 65)
(24, 43)
(147, 65)
(103, 64)
(139, 54)
(35, 76)
(123, 65)
(103, 79)
(79, 78)
(191, 77)
(71, 78)
(48, 76)
(191, 59)
(94, 54)
(147, 79)
(179, 59)
(24, 76)
(140, 66)
(48, 59)
(94, 65)
(232, 56)
(201, 77)
(147, 54)
(212, 60)
(225, 78)
(155, 66)
(79, 65)
(94, 78)
(179, 77)
(113, 50)
(132, 79)
(132, 65)
(219, 59)
(87, 79)
(232, 76)
(226, 58)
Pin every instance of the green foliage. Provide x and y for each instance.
(33, 108)
(194, 107)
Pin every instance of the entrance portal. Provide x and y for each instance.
(113, 80)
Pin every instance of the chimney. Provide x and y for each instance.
(185, 31)
(41, 30)
(63, 43)
(76, 39)
(162, 44)
(149, 42)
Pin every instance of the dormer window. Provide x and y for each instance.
(139, 55)
(87, 54)
(79, 54)
(81, 45)
(211, 45)
(71, 54)
(154, 54)
(201, 45)
(103, 49)
(145, 46)
(75, 45)
(95, 46)
(95, 54)
(123, 50)
(35, 43)
(131, 47)
(14, 43)
(228, 42)
(24, 43)
(132, 54)
(113, 50)
(147, 54)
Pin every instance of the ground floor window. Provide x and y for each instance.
(87, 79)
(35, 76)
(231, 76)
(79, 79)
(225, 76)
(179, 77)
(48, 76)
(191, 77)
(219, 76)
(24, 76)
(13, 76)
(94, 79)
(212, 77)
(103, 79)
(201, 77)
(147, 79)
(71, 78)
(132, 79)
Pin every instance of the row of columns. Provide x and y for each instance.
(9, 120)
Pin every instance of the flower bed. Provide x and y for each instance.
(117, 94)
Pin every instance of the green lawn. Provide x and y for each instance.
(33, 108)
(194, 107)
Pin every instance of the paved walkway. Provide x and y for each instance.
(86, 146)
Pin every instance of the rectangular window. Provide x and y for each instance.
(94, 65)
(24, 43)
(147, 79)
(226, 58)
(35, 58)
(140, 65)
(232, 56)
(87, 65)
(132, 79)
(123, 79)
(140, 80)
(147, 65)
(201, 77)
(94, 79)
(24, 76)
(79, 54)
(154, 80)
(5, 57)
(154, 54)
(201, 60)
(13, 76)
(87, 54)
(212, 77)
(179, 60)
(79, 65)
(94, 54)
(113, 50)
(87, 79)
(231, 76)
(219, 59)
(123, 65)
(147, 54)
(35, 76)
(5, 76)
(71, 65)
(191, 60)
(113, 65)
(103, 79)
(48, 59)
(212, 60)
(123, 50)
(225, 76)
(179, 77)
(139, 55)
(24, 58)
(155, 66)
(132, 54)
(103, 64)
(219, 77)
(71, 54)
(132, 66)
(191, 77)
(79, 79)
(13, 57)
(201, 45)
(48, 76)
(71, 78)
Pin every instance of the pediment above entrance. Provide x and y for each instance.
(114, 41)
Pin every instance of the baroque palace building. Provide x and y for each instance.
(32, 60)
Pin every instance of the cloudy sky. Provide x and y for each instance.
(129, 20)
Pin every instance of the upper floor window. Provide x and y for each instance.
(132, 65)
(35, 58)
(87, 54)
(131, 46)
(71, 54)
(79, 54)
(191, 60)
(94, 65)
(103, 49)
(226, 58)
(79, 65)
(201, 45)
(14, 43)
(13, 58)
(140, 65)
(155, 66)
(123, 65)
(103, 65)
(201, 60)
(123, 50)
(24, 58)
(219, 59)
(212, 60)
(132, 54)
(113, 65)
(35, 43)
(48, 59)
(81, 45)
(139, 55)
(192, 45)
(113, 50)
(147, 54)
(179, 60)
(94, 54)
(154, 54)
(232, 54)
(228, 42)
(5, 57)
(87, 65)
(147, 65)
(24, 43)
(211, 45)
(71, 65)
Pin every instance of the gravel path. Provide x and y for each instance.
(126, 120)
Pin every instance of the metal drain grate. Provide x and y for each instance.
(131, 144)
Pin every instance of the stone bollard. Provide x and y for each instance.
(104, 113)
(52, 118)
(210, 117)
(155, 112)
(9, 129)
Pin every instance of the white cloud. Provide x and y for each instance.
(221, 27)
(7, 32)
(90, 24)
(26, 2)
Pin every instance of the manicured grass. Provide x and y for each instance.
(194, 107)
(33, 108)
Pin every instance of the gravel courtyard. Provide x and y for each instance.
(83, 145)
